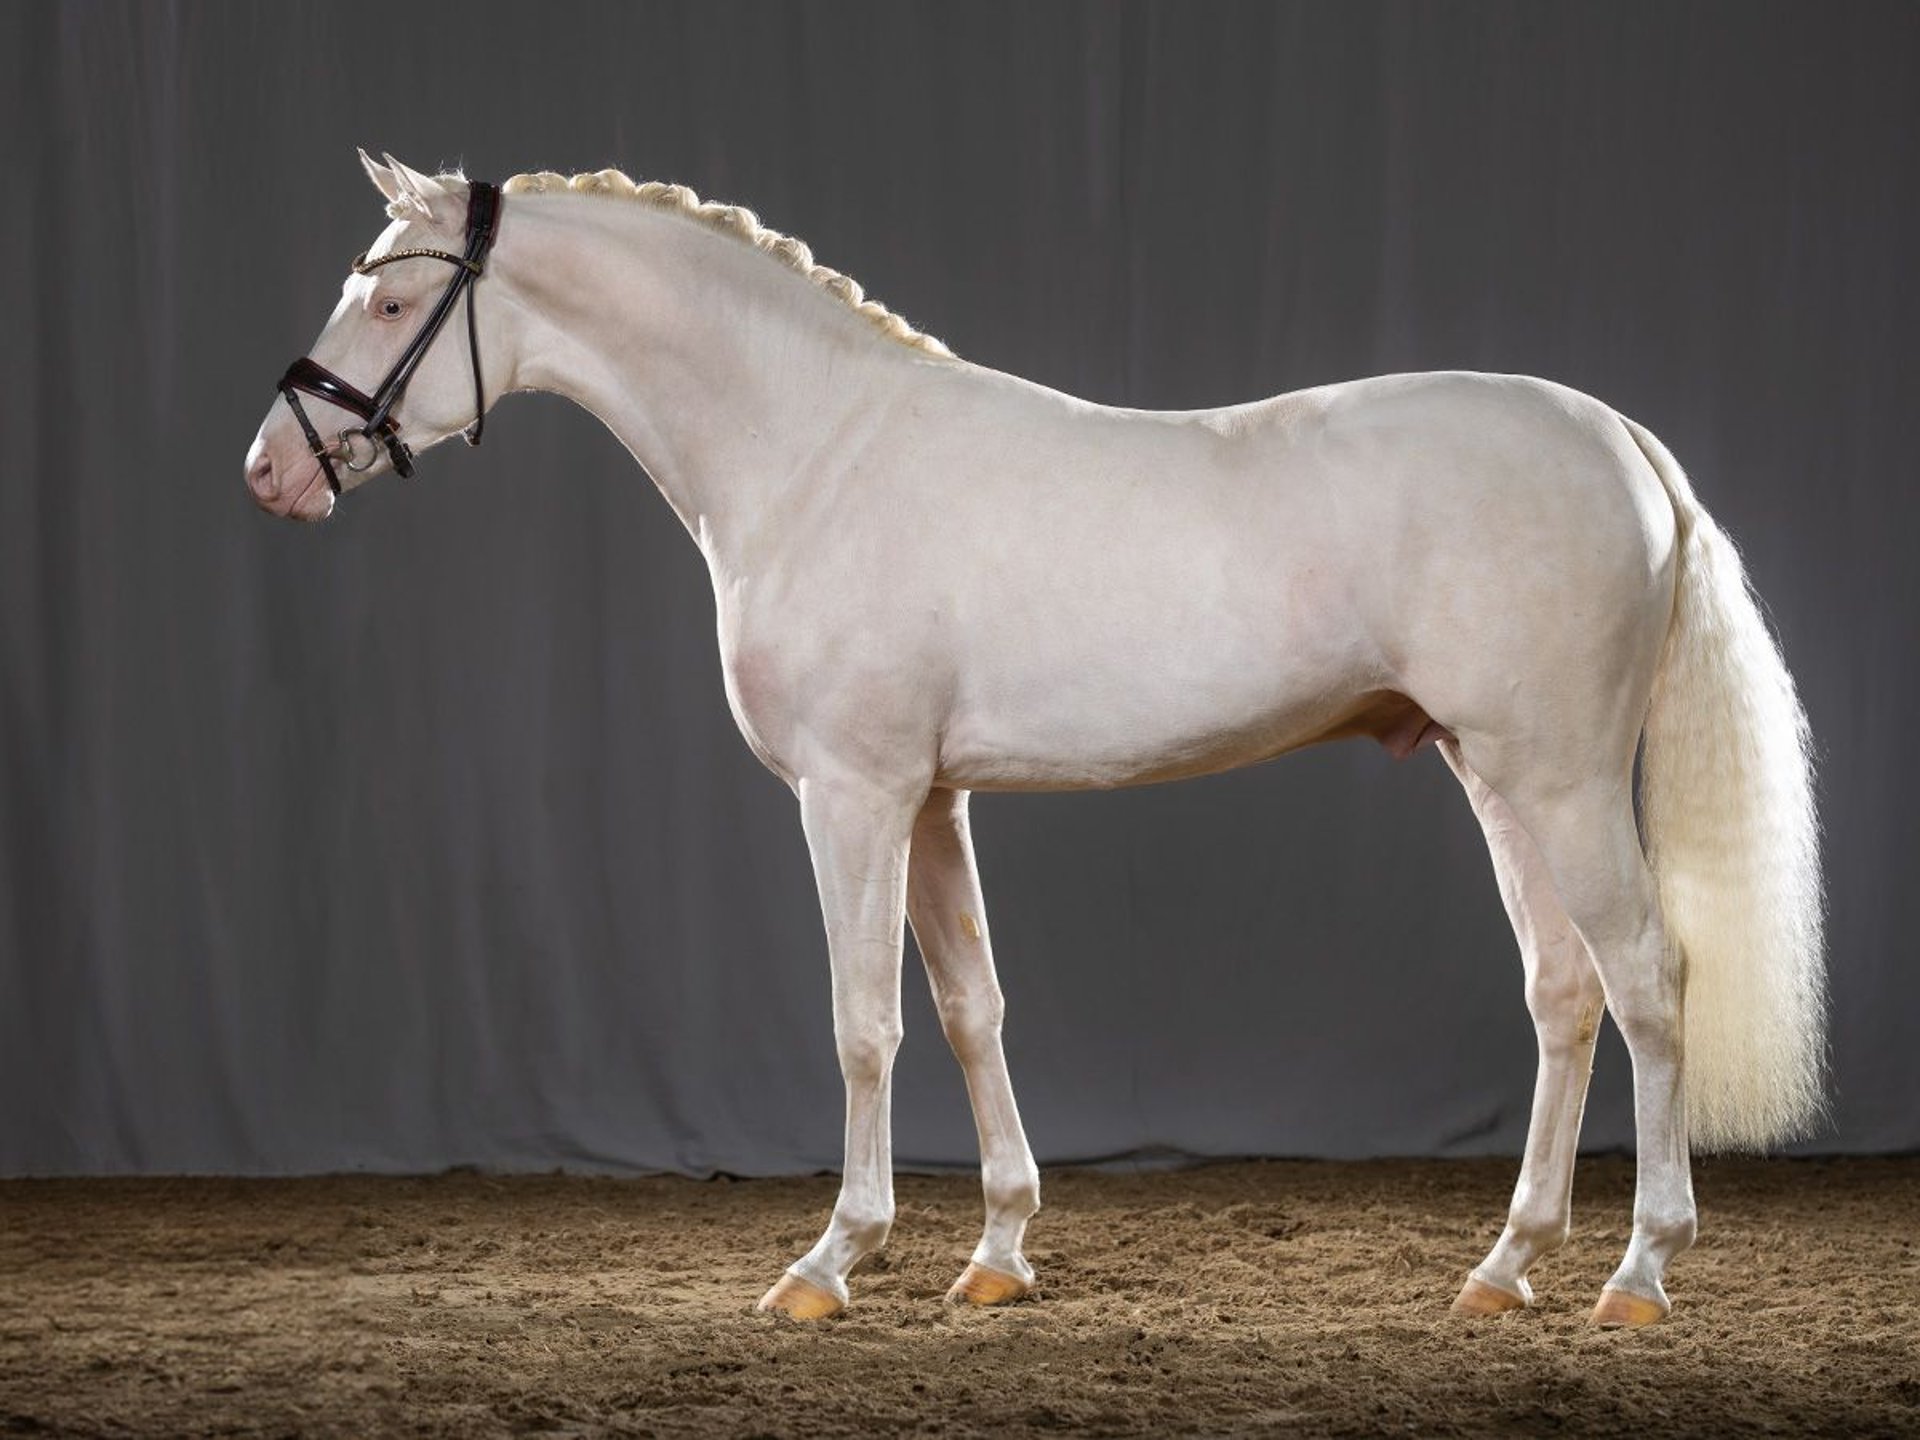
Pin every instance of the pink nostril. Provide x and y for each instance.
(260, 476)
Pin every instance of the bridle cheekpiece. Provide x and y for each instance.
(376, 410)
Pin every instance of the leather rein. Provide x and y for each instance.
(376, 410)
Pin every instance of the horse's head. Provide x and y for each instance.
(386, 363)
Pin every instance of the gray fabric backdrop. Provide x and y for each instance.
(424, 837)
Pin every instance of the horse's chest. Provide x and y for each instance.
(760, 693)
(814, 676)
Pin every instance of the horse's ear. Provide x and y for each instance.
(421, 193)
(383, 179)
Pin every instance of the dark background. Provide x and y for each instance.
(424, 837)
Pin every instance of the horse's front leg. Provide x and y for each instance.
(859, 835)
(950, 922)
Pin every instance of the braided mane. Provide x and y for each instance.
(738, 221)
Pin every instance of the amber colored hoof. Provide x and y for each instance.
(979, 1285)
(1478, 1298)
(799, 1299)
(1621, 1308)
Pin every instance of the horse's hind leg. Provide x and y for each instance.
(1565, 999)
(1584, 829)
(950, 922)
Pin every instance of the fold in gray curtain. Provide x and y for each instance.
(424, 837)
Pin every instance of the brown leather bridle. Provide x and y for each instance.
(376, 410)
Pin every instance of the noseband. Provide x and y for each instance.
(376, 410)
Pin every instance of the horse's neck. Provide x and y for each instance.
(717, 368)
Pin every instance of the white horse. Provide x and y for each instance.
(932, 578)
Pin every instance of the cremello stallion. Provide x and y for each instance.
(932, 578)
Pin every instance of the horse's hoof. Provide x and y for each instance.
(799, 1300)
(979, 1285)
(1623, 1309)
(1477, 1298)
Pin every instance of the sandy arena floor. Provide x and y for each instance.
(1245, 1299)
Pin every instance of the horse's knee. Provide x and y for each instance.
(1565, 999)
(866, 1057)
(972, 1020)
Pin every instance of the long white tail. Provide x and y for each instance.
(1727, 809)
